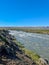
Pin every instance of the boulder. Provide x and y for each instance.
(43, 61)
(7, 51)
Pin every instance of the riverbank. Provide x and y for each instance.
(30, 53)
(12, 53)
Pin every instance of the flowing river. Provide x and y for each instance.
(38, 43)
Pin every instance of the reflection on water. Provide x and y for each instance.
(36, 42)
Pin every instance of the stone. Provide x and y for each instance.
(43, 61)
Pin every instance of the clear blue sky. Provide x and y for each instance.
(24, 12)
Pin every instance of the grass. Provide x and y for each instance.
(31, 54)
(19, 44)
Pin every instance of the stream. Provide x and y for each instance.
(38, 43)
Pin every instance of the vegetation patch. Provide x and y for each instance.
(29, 53)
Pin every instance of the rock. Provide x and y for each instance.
(43, 61)
(12, 62)
(46, 60)
(7, 51)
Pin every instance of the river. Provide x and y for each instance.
(38, 43)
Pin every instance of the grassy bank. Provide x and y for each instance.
(27, 52)
(31, 54)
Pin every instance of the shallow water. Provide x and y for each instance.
(39, 43)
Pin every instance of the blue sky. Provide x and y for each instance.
(24, 12)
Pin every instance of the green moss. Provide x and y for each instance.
(31, 54)
(19, 44)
